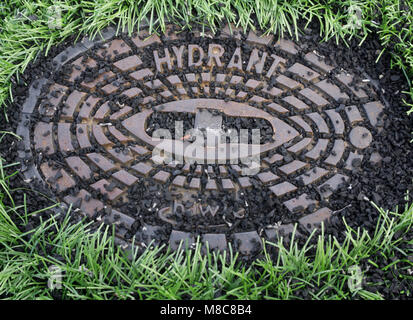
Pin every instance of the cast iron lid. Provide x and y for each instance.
(89, 132)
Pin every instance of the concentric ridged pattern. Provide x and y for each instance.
(93, 154)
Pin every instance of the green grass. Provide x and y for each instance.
(23, 37)
(94, 268)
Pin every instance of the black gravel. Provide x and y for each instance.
(385, 183)
(162, 120)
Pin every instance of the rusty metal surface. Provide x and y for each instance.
(92, 148)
